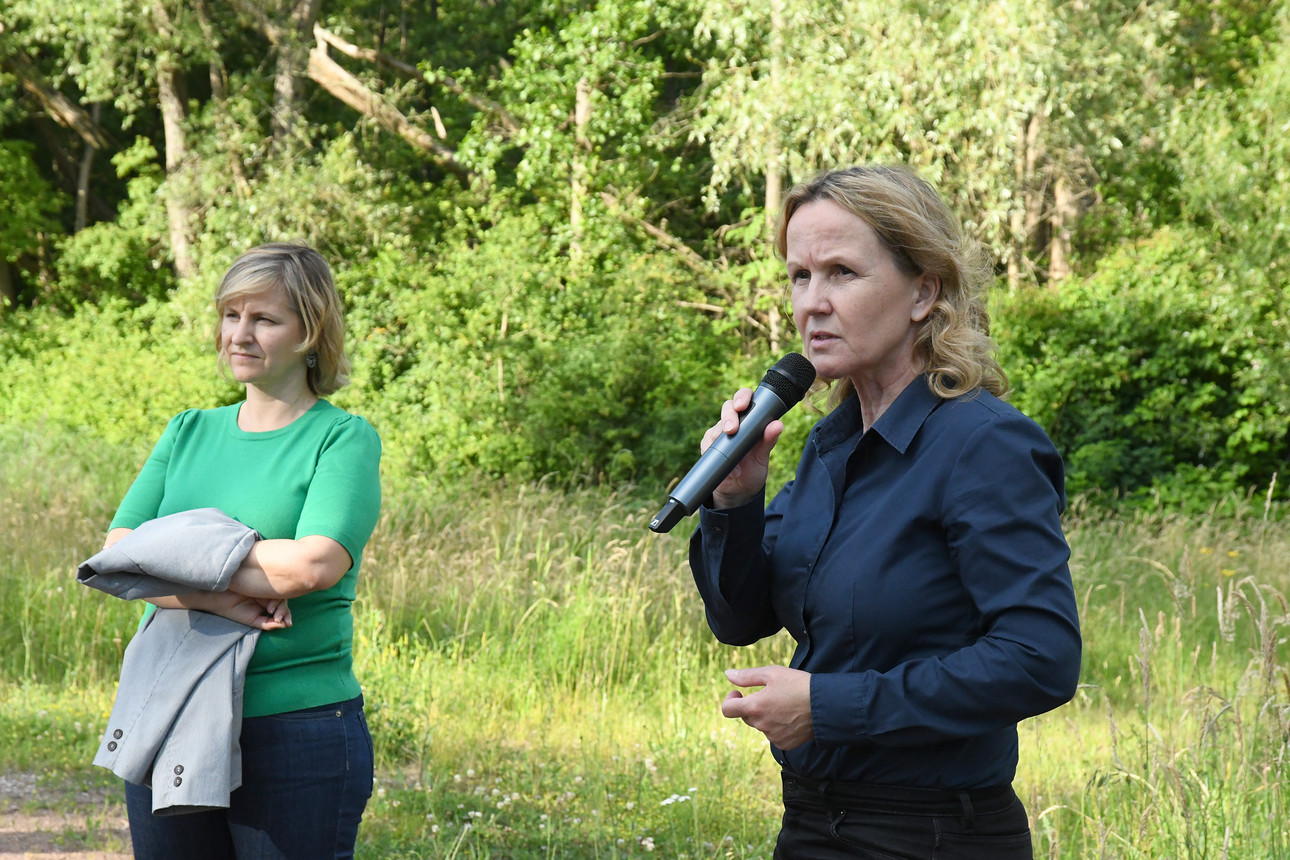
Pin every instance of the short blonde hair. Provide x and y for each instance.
(912, 221)
(305, 276)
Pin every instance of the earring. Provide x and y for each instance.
(311, 360)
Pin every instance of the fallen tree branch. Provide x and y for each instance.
(58, 106)
(333, 78)
(508, 122)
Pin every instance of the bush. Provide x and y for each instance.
(1151, 377)
(506, 358)
(113, 372)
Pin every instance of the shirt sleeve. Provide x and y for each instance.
(1001, 519)
(142, 501)
(344, 498)
(728, 557)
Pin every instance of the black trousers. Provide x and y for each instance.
(844, 821)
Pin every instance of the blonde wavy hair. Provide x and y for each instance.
(912, 221)
(305, 276)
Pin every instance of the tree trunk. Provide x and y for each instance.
(8, 292)
(84, 174)
(1034, 190)
(578, 172)
(66, 167)
(179, 216)
(1017, 218)
(293, 58)
(774, 196)
(774, 170)
(1059, 249)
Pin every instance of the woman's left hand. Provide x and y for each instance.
(781, 711)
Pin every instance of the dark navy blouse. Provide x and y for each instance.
(922, 569)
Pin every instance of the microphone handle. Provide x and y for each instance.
(720, 459)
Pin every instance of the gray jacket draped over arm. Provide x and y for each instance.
(178, 712)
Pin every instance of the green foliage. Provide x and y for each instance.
(30, 203)
(572, 307)
(113, 373)
(332, 196)
(500, 359)
(1221, 42)
(118, 259)
(1233, 148)
(1150, 377)
(111, 259)
(30, 226)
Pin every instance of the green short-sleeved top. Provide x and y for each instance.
(319, 475)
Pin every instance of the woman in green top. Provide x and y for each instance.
(305, 475)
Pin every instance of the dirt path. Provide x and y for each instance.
(63, 823)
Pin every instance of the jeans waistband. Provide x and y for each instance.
(850, 794)
(349, 706)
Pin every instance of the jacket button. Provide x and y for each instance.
(117, 734)
(179, 780)
(111, 746)
(179, 768)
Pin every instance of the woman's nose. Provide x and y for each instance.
(811, 297)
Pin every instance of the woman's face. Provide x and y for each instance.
(857, 313)
(259, 337)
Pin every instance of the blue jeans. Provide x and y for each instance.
(306, 778)
(843, 821)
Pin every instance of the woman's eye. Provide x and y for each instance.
(844, 270)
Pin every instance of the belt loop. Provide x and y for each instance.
(969, 814)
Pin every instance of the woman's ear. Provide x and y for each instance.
(929, 290)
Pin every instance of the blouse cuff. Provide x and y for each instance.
(749, 515)
(839, 707)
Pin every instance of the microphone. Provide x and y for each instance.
(781, 389)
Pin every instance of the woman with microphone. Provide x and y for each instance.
(917, 557)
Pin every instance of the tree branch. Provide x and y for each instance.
(688, 256)
(329, 75)
(263, 22)
(333, 78)
(508, 122)
(58, 106)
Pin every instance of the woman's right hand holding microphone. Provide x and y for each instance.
(747, 478)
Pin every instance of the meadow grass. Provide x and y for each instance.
(540, 681)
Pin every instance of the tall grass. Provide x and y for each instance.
(541, 683)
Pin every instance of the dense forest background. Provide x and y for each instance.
(550, 219)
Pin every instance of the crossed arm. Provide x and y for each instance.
(272, 572)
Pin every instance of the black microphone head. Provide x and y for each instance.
(790, 378)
